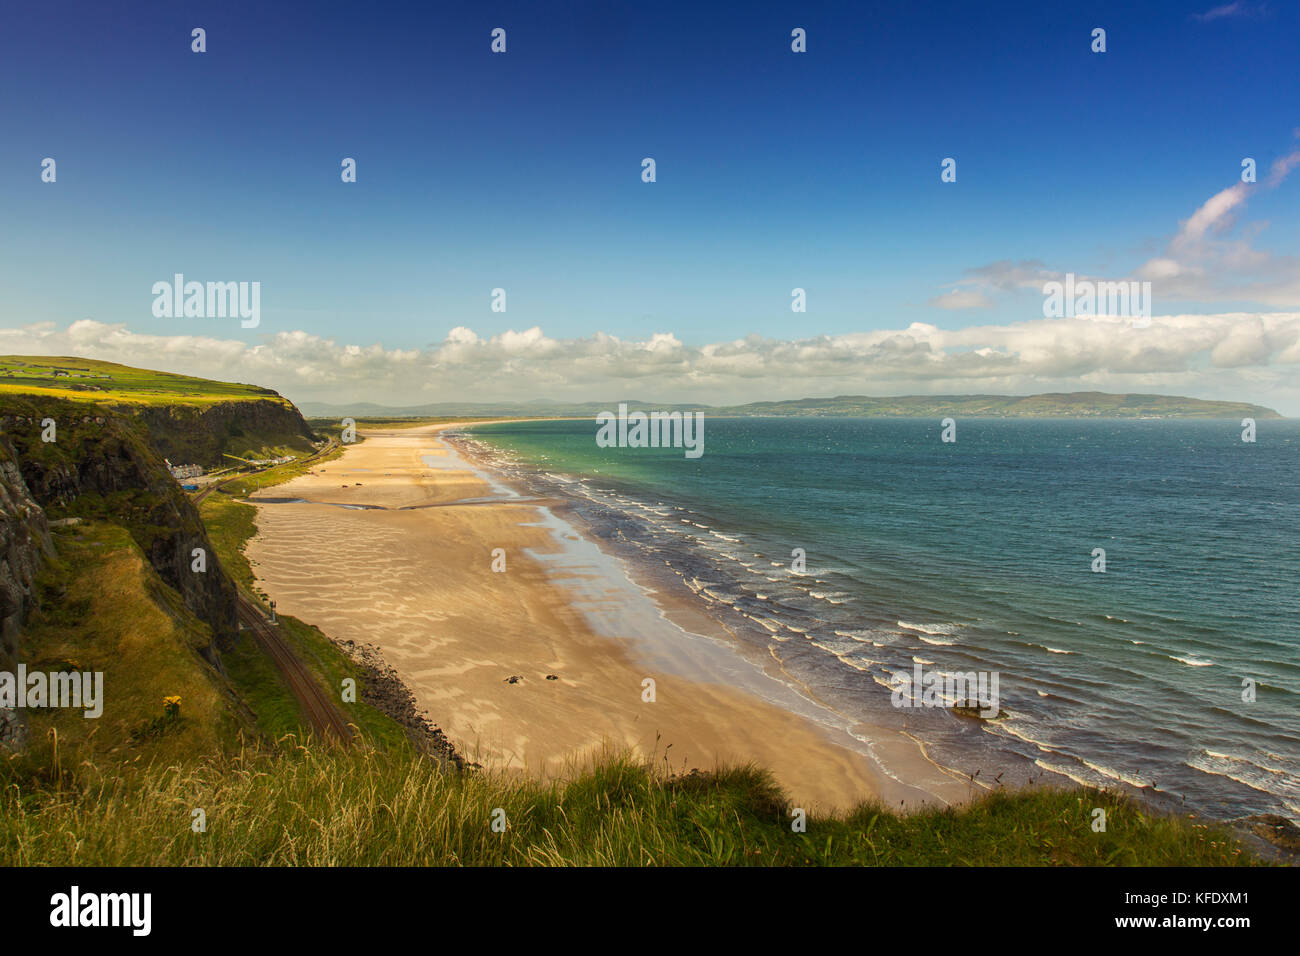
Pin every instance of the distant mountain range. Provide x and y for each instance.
(1048, 405)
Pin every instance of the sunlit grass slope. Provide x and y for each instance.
(88, 380)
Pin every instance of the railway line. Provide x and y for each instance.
(322, 712)
(324, 715)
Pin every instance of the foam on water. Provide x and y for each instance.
(972, 566)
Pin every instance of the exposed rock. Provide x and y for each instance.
(383, 689)
(202, 434)
(105, 466)
(976, 711)
(24, 544)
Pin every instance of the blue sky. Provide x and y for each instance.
(775, 170)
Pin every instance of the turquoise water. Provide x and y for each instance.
(978, 555)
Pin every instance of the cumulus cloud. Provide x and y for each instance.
(1247, 356)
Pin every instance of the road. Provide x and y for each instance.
(198, 499)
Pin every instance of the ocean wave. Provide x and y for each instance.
(1044, 647)
(1248, 773)
(932, 629)
(810, 615)
(831, 597)
(1014, 729)
(1069, 772)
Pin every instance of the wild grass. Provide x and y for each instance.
(313, 806)
(104, 609)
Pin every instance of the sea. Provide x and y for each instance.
(846, 552)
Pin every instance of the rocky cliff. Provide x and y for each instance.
(202, 434)
(24, 541)
(104, 466)
(24, 544)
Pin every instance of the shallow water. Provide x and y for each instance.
(977, 556)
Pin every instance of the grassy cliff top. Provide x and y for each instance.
(87, 380)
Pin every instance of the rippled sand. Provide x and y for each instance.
(418, 583)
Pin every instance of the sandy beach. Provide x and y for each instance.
(393, 545)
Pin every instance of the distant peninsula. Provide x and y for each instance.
(1047, 405)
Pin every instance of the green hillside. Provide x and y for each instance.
(190, 420)
(88, 380)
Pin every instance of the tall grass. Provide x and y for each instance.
(311, 806)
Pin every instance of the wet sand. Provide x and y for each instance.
(393, 545)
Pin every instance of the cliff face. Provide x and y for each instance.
(193, 434)
(24, 542)
(104, 466)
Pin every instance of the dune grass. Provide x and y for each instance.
(314, 806)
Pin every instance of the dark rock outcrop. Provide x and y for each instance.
(24, 544)
(102, 465)
(202, 434)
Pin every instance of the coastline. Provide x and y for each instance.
(401, 532)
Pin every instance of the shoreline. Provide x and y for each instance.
(763, 677)
(458, 653)
(1273, 835)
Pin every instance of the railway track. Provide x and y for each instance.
(325, 717)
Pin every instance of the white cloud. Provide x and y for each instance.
(1247, 356)
(1203, 263)
(962, 299)
(1224, 11)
